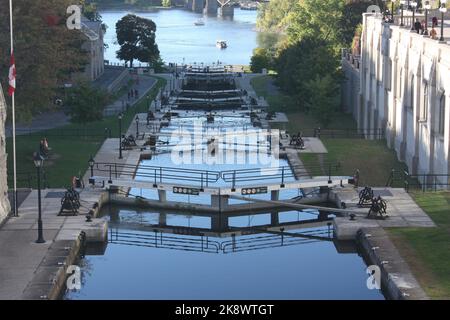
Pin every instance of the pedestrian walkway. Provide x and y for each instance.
(26, 269)
(142, 83)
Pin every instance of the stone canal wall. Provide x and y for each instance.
(4, 203)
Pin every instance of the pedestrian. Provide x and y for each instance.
(433, 33)
(417, 26)
(128, 95)
(434, 22)
(136, 93)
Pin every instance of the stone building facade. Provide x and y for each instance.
(4, 203)
(401, 83)
(94, 45)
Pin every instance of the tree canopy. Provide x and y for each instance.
(307, 56)
(46, 52)
(136, 37)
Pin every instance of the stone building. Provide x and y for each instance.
(94, 45)
(4, 203)
(401, 84)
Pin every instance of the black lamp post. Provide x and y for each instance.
(38, 162)
(413, 5)
(91, 165)
(137, 126)
(402, 4)
(427, 7)
(442, 9)
(392, 11)
(120, 135)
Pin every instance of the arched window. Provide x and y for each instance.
(441, 121)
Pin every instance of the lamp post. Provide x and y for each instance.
(427, 7)
(137, 126)
(402, 4)
(392, 11)
(91, 165)
(413, 5)
(120, 135)
(442, 9)
(38, 162)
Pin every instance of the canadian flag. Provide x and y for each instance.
(12, 76)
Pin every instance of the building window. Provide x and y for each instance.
(424, 109)
(441, 123)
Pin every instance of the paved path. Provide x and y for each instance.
(24, 265)
(143, 86)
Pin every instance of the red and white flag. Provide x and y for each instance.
(12, 76)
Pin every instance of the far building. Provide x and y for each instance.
(94, 32)
(4, 203)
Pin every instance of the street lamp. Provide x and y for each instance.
(413, 5)
(120, 135)
(137, 126)
(38, 162)
(442, 9)
(91, 165)
(402, 4)
(427, 7)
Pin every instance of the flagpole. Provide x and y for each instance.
(15, 213)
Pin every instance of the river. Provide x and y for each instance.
(179, 40)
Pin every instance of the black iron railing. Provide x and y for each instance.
(28, 179)
(377, 134)
(423, 182)
(79, 133)
(158, 174)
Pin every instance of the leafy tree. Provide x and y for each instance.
(86, 103)
(136, 37)
(274, 16)
(46, 52)
(166, 3)
(261, 59)
(324, 98)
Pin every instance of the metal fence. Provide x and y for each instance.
(377, 134)
(423, 182)
(28, 179)
(85, 133)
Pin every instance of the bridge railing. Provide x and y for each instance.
(158, 174)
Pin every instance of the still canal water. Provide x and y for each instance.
(179, 40)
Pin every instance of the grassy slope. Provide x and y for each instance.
(69, 154)
(427, 250)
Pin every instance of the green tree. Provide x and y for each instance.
(86, 103)
(166, 3)
(274, 16)
(47, 53)
(261, 59)
(136, 37)
(324, 98)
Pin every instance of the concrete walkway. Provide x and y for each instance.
(143, 86)
(23, 263)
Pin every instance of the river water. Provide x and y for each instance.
(179, 40)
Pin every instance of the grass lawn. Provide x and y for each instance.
(69, 153)
(373, 159)
(427, 250)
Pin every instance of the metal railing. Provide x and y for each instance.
(204, 178)
(160, 240)
(158, 174)
(277, 174)
(423, 182)
(377, 134)
(27, 179)
(78, 133)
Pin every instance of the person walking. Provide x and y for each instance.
(417, 26)
(433, 33)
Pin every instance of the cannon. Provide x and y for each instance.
(128, 142)
(297, 141)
